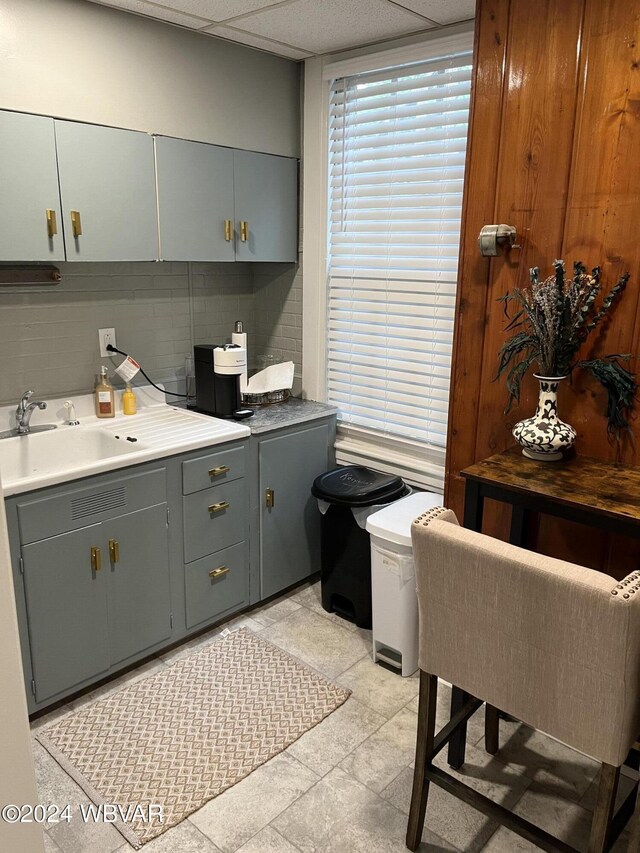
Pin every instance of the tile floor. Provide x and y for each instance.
(344, 787)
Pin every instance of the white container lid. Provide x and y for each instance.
(393, 523)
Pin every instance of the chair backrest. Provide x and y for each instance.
(554, 644)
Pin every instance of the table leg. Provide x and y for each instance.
(519, 524)
(473, 506)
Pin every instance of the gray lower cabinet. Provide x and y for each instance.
(266, 204)
(67, 611)
(289, 516)
(30, 221)
(108, 191)
(195, 200)
(139, 601)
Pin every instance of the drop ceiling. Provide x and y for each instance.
(301, 28)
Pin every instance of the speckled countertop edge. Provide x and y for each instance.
(280, 415)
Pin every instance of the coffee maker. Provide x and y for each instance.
(218, 371)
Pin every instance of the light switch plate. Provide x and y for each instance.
(105, 337)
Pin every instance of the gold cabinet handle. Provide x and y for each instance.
(244, 230)
(114, 550)
(219, 506)
(216, 573)
(76, 224)
(228, 230)
(52, 225)
(270, 498)
(221, 469)
(96, 559)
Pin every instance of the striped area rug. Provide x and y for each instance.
(185, 735)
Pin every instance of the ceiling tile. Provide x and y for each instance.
(332, 24)
(258, 41)
(442, 11)
(218, 10)
(153, 11)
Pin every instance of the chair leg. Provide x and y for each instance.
(458, 743)
(491, 729)
(424, 751)
(603, 812)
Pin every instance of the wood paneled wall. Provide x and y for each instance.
(554, 149)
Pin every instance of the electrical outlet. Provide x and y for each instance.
(105, 337)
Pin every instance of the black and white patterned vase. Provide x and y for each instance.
(545, 436)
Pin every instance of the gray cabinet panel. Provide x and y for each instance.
(290, 530)
(108, 176)
(195, 199)
(29, 182)
(198, 474)
(266, 192)
(209, 525)
(139, 589)
(67, 610)
(209, 596)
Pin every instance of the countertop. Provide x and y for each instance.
(291, 413)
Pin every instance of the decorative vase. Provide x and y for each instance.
(545, 436)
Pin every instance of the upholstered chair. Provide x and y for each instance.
(553, 644)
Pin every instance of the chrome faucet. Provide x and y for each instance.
(24, 412)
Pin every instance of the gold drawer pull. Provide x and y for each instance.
(244, 230)
(96, 559)
(217, 573)
(76, 224)
(52, 225)
(114, 550)
(221, 469)
(219, 506)
(270, 498)
(228, 230)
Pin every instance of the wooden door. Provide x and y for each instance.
(290, 528)
(266, 199)
(30, 221)
(136, 550)
(195, 200)
(107, 184)
(67, 610)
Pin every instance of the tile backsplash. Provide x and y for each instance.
(48, 335)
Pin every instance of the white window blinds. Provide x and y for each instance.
(397, 141)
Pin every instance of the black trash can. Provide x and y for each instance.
(346, 496)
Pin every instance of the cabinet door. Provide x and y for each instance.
(290, 529)
(137, 547)
(266, 191)
(29, 182)
(195, 200)
(67, 610)
(107, 177)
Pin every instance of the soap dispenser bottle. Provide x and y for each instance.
(105, 396)
(129, 405)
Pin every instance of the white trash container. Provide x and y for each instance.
(393, 586)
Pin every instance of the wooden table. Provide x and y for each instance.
(588, 491)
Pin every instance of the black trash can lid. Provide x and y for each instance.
(353, 485)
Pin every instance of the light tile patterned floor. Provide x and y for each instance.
(344, 787)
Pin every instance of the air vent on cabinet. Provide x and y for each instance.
(98, 502)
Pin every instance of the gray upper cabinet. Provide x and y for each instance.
(107, 185)
(266, 196)
(30, 223)
(195, 200)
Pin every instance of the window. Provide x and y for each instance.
(397, 142)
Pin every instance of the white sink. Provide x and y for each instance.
(43, 453)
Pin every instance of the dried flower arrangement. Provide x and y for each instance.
(555, 317)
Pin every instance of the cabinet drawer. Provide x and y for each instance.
(76, 508)
(216, 583)
(222, 467)
(209, 525)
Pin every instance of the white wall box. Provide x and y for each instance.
(30, 220)
(107, 186)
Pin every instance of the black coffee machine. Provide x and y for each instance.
(218, 369)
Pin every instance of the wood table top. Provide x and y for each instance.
(603, 488)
